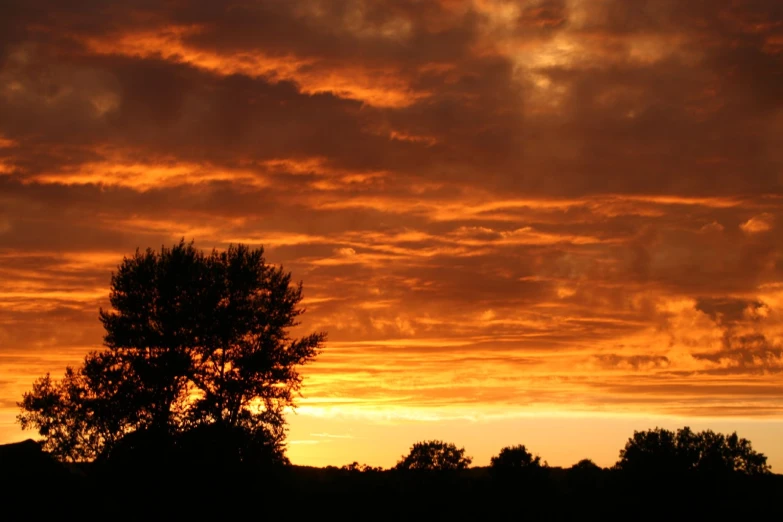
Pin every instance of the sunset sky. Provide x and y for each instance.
(543, 222)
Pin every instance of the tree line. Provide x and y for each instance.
(657, 451)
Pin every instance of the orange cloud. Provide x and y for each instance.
(144, 176)
(378, 87)
(756, 224)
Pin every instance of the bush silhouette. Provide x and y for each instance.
(145, 450)
(434, 455)
(220, 448)
(660, 452)
(515, 458)
(585, 474)
(360, 468)
(586, 465)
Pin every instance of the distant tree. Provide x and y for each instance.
(515, 458)
(661, 451)
(650, 451)
(192, 339)
(434, 455)
(584, 475)
(585, 465)
(362, 468)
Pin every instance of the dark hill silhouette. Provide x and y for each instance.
(33, 484)
(26, 460)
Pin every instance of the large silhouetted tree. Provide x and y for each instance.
(661, 451)
(192, 340)
(434, 455)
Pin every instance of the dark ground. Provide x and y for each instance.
(34, 487)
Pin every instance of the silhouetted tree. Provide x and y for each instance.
(160, 316)
(56, 409)
(661, 451)
(586, 465)
(89, 409)
(362, 468)
(434, 455)
(249, 355)
(584, 475)
(221, 447)
(192, 340)
(651, 451)
(515, 458)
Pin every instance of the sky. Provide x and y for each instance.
(543, 222)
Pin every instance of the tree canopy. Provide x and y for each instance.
(664, 452)
(192, 340)
(586, 465)
(361, 468)
(434, 455)
(515, 458)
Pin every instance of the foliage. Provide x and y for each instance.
(434, 455)
(664, 452)
(81, 414)
(192, 339)
(585, 475)
(586, 466)
(361, 468)
(57, 410)
(515, 458)
(200, 451)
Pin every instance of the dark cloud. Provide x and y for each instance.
(635, 362)
(749, 353)
(727, 311)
